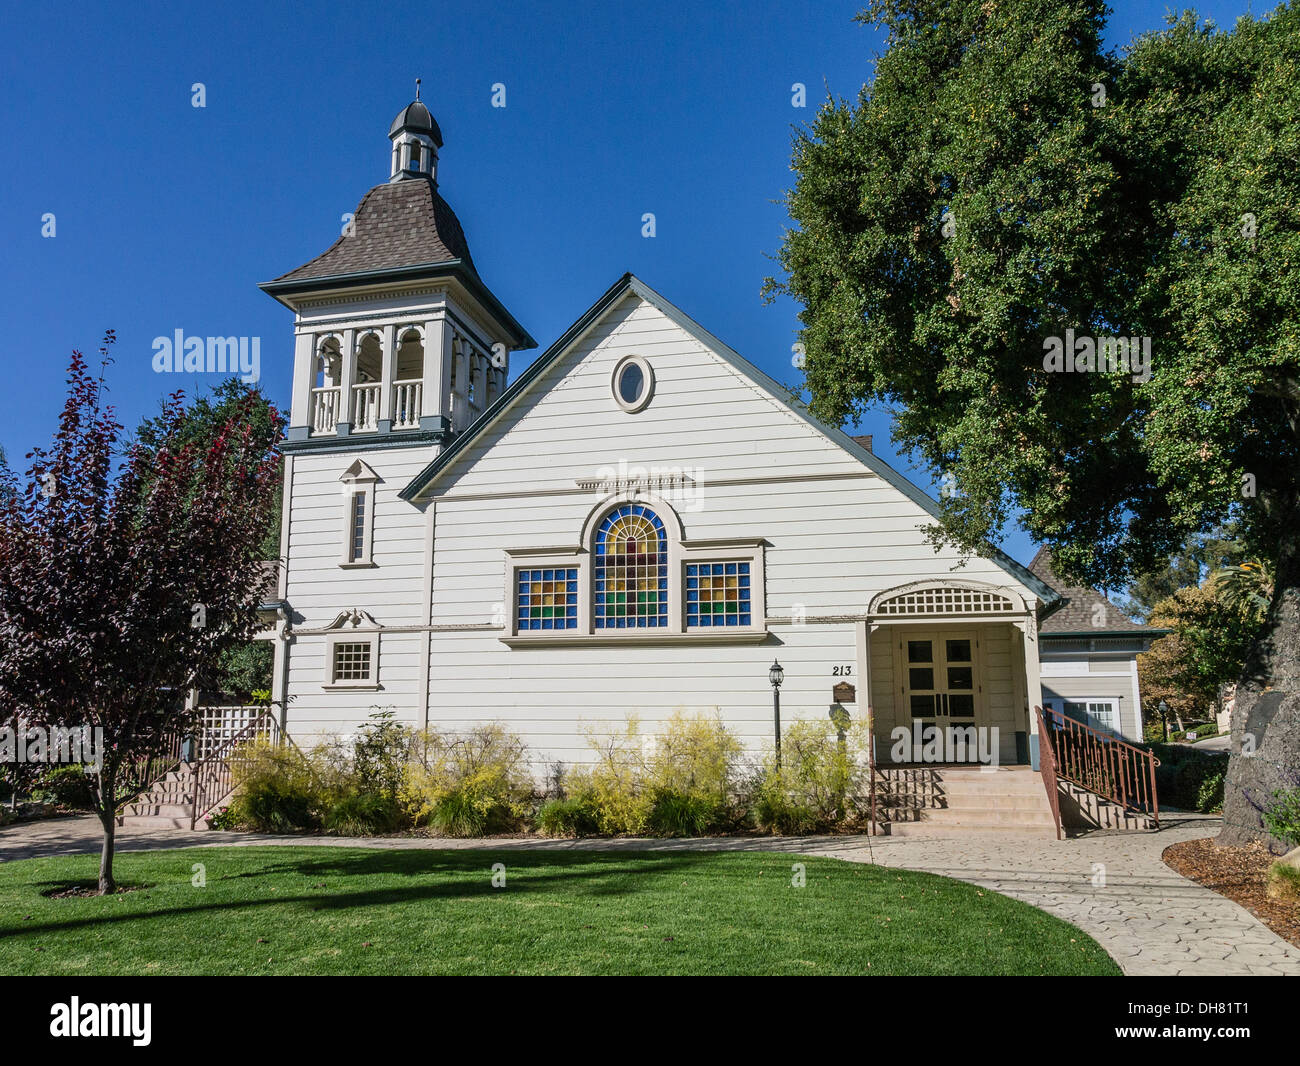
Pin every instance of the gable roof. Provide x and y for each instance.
(629, 284)
(1079, 604)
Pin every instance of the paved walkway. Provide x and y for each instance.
(1112, 885)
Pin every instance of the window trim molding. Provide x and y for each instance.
(550, 559)
(681, 550)
(647, 373)
(358, 478)
(1116, 703)
(371, 684)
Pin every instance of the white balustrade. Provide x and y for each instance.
(324, 410)
(365, 407)
(407, 396)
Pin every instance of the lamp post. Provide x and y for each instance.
(776, 675)
(1164, 718)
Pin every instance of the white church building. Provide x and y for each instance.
(641, 522)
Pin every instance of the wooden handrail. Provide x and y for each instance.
(1047, 767)
(1112, 768)
(213, 776)
(144, 770)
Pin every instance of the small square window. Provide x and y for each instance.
(352, 662)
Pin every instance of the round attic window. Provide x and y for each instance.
(633, 383)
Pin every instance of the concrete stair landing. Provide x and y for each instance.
(968, 800)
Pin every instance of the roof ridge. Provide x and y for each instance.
(630, 283)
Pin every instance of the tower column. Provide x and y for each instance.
(437, 356)
(347, 373)
(387, 377)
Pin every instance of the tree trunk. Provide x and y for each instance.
(107, 886)
(1266, 715)
(108, 819)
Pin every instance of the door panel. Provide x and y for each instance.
(941, 677)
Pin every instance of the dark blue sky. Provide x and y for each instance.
(168, 215)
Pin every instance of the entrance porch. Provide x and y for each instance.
(951, 673)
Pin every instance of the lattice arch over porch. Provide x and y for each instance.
(935, 601)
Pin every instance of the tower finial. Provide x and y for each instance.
(417, 88)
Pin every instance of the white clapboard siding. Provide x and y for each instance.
(835, 536)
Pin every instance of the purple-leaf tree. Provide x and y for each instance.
(126, 570)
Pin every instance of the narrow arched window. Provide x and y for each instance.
(630, 576)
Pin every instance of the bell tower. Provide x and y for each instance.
(398, 338)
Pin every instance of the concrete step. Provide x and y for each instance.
(155, 822)
(936, 830)
(995, 783)
(150, 809)
(1014, 802)
(987, 816)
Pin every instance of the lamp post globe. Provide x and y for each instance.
(776, 675)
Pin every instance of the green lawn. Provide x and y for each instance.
(324, 910)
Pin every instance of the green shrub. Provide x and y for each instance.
(276, 790)
(1190, 779)
(1283, 882)
(1209, 795)
(614, 785)
(685, 786)
(1206, 729)
(380, 755)
(468, 784)
(222, 818)
(275, 807)
(573, 817)
(818, 785)
(363, 814)
(682, 814)
(1282, 816)
(776, 811)
(68, 786)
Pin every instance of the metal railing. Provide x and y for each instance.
(1047, 767)
(1112, 768)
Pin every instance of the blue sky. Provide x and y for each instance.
(167, 216)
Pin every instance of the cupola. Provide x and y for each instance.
(416, 140)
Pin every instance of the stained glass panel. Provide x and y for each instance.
(630, 577)
(718, 594)
(546, 598)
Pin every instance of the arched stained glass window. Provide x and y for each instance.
(630, 579)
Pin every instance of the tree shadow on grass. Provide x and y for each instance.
(595, 874)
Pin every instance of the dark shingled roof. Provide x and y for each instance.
(865, 441)
(415, 117)
(1075, 614)
(397, 224)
